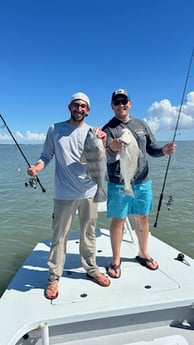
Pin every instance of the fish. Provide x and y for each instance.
(95, 157)
(128, 159)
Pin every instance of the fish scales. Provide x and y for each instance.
(128, 159)
(95, 157)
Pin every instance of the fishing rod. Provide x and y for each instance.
(32, 184)
(173, 140)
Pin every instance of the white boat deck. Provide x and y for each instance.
(139, 296)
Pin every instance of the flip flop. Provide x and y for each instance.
(100, 279)
(145, 262)
(51, 292)
(114, 268)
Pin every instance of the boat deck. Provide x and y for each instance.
(131, 304)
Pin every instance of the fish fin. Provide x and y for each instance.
(118, 156)
(82, 158)
(106, 178)
(140, 154)
(128, 192)
(100, 195)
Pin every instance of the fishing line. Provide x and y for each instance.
(173, 140)
(36, 178)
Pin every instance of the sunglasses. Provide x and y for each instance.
(77, 105)
(120, 101)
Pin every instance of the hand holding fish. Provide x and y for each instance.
(169, 149)
(101, 135)
(117, 145)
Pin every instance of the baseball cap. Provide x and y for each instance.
(120, 93)
(82, 96)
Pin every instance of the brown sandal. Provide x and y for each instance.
(51, 292)
(100, 279)
(115, 268)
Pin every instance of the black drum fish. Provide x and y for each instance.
(95, 157)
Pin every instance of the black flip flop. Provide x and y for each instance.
(114, 268)
(144, 262)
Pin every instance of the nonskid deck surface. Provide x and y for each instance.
(139, 290)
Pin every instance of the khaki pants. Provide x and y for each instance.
(64, 212)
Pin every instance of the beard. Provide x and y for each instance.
(75, 117)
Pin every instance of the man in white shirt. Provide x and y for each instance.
(74, 190)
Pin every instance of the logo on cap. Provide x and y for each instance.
(120, 92)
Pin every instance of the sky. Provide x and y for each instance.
(51, 49)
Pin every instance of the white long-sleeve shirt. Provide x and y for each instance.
(66, 143)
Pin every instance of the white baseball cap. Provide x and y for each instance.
(82, 96)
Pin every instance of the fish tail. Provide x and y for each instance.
(128, 192)
(100, 195)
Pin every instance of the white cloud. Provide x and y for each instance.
(163, 115)
(4, 137)
(35, 136)
(29, 137)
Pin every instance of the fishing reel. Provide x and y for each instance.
(32, 182)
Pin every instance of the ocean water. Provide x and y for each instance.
(25, 212)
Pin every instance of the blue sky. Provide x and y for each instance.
(51, 49)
